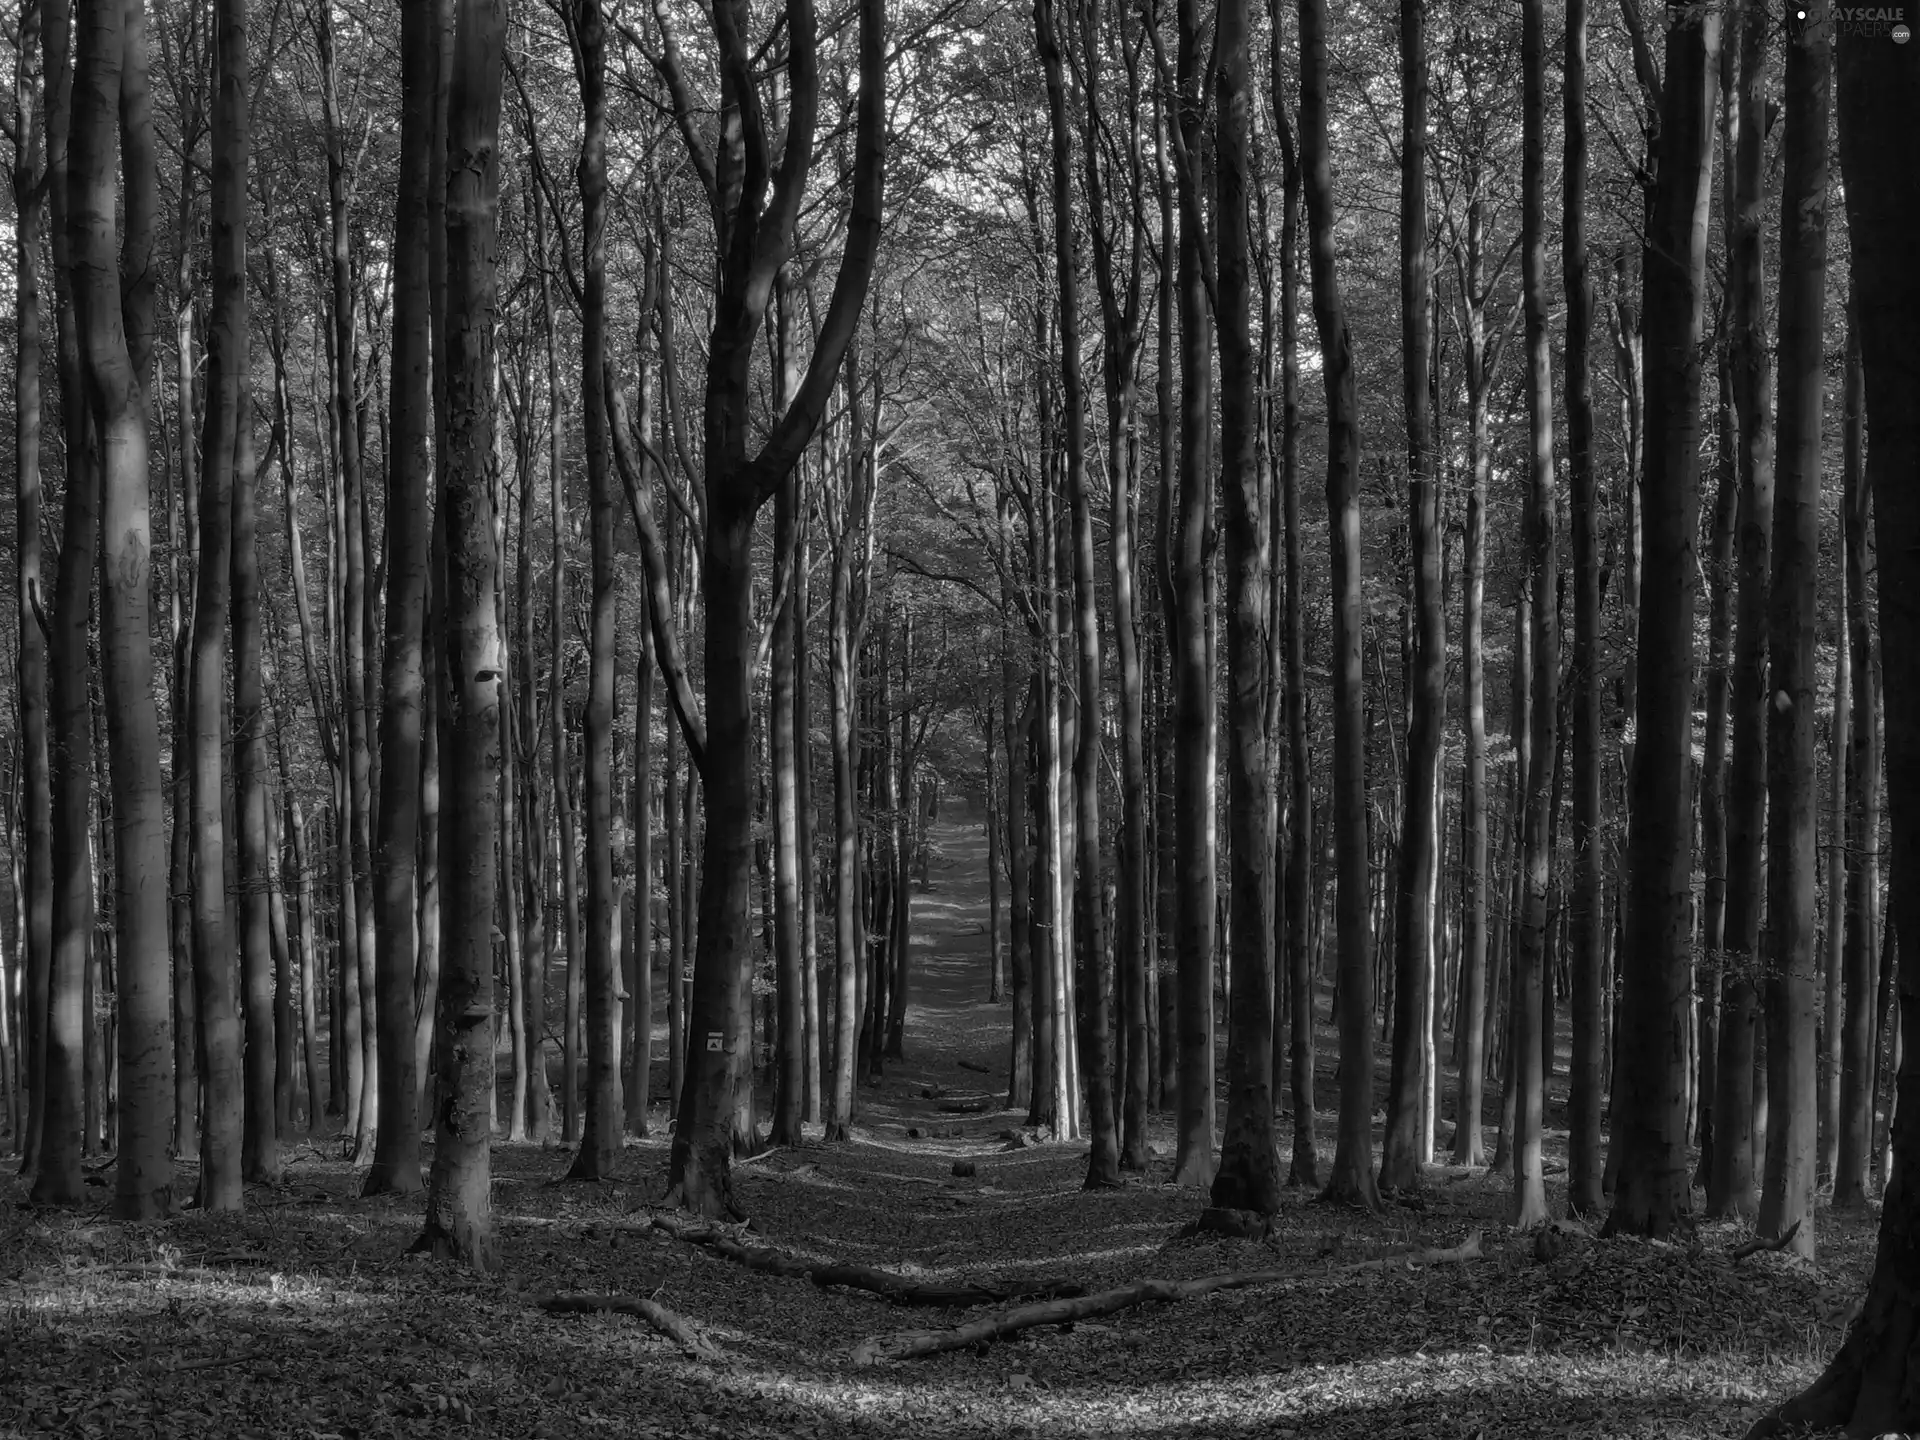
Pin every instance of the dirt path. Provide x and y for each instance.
(949, 1018)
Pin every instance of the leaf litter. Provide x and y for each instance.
(304, 1317)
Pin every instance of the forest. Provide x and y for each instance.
(1222, 693)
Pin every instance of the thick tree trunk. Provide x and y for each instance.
(34, 835)
(1868, 1386)
(1248, 1177)
(1792, 991)
(459, 1223)
(56, 1175)
(109, 73)
(1651, 1115)
(1352, 1179)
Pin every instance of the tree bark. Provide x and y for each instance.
(403, 719)
(1867, 1386)
(1792, 990)
(1852, 1171)
(459, 1224)
(1656, 970)
(1731, 1186)
(1248, 1177)
(1352, 1179)
(1532, 977)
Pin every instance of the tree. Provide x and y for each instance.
(1248, 1177)
(1530, 951)
(1731, 1184)
(1352, 1179)
(1407, 1144)
(1586, 917)
(109, 67)
(459, 1223)
(403, 695)
(600, 1145)
(1786, 1199)
(1865, 1386)
(755, 203)
(1650, 1123)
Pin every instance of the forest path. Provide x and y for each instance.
(949, 1019)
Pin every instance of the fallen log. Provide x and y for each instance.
(907, 1344)
(899, 1289)
(976, 1067)
(670, 1323)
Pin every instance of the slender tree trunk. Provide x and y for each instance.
(222, 1098)
(1851, 1175)
(1585, 920)
(403, 720)
(1731, 1187)
(1352, 1178)
(1650, 1124)
(459, 1223)
(1248, 1177)
(1195, 844)
(784, 740)
(1792, 992)
(34, 837)
(1405, 1149)
(1532, 979)
(600, 1140)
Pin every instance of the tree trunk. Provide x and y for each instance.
(1532, 978)
(222, 1100)
(784, 741)
(1852, 1170)
(1586, 921)
(1651, 1119)
(459, 1224)
(1352, 1179)
(1405, 1150)
(396, 1157)
(1731, 1187)
(34, 836)
(1793, 810)
(109, 72)
(1866, 1386)
(600, 1139)
(358, 838)
(1248, 1177)
(1195, 845)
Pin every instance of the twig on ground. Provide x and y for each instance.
(907, 1344)
(670, 1323)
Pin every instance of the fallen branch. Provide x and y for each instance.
(976, 1067)
(906, 1344)
(1758, 1244)
(670, 1323)
(899, 1289)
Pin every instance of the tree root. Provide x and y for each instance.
(1759, 1243)
(899, 1289)
(670, 1323)
(907, 1344)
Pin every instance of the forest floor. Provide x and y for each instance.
(305, 1317)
